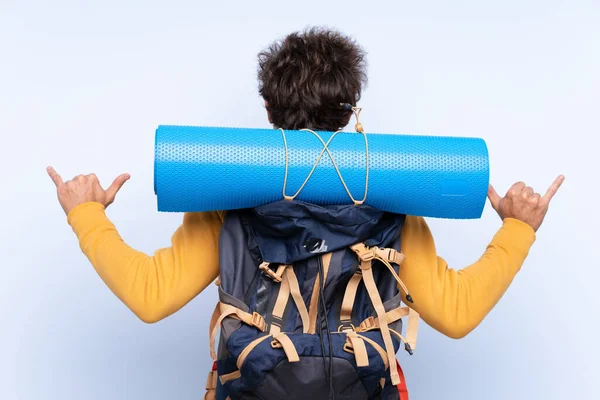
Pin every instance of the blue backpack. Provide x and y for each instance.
(309, 305)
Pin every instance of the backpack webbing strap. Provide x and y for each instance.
(412, 328)
(313, 309)
(248, 349)
(230, 376)
(350, 347)
(279, 307)
(275, 275)
(381, 316)
(297, 296)
(389, 254)
(378, 348)
(288, 286)
(348, 301)
(393, 316)
(281, 340)
(223, 310)
(357, 345)
(386, 256)
(211, 381)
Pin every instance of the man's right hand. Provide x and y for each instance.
(83, 189)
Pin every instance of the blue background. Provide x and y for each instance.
(83, 86)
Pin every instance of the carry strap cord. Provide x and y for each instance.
(359, 129)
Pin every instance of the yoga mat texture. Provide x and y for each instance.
(220, 168)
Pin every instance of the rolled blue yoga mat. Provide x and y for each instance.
(220, 168)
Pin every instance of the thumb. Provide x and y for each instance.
(494, 197)
(117, 184)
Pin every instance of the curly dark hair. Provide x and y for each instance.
(304, 78)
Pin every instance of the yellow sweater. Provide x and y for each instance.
(451, 301)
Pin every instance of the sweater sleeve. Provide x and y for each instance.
(454, 302)
(155, 286)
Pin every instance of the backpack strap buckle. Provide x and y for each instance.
(356, 345)
(346, 326)
(258, 321)
(368, 324)
(282, 341)
(364, 253)
(391, 255)
(275, 275)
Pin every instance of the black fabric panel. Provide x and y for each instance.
(238, 267)
(306, 380)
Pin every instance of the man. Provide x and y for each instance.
(303, 79)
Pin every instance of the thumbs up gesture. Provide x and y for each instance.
(83, 189)
(522, 203)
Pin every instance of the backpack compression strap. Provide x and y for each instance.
(314, 299)
(223, 310)
(288, 286)
(366, 257)
(393, 316)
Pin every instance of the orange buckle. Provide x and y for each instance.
(395, 256)
(258, 321)
(392, 255)
(348, 348)
(367, 324)
(264, 267)
(363, 252)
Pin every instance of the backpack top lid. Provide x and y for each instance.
(287, 231)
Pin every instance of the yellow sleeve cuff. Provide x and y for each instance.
(516, 234)
(85, 216)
